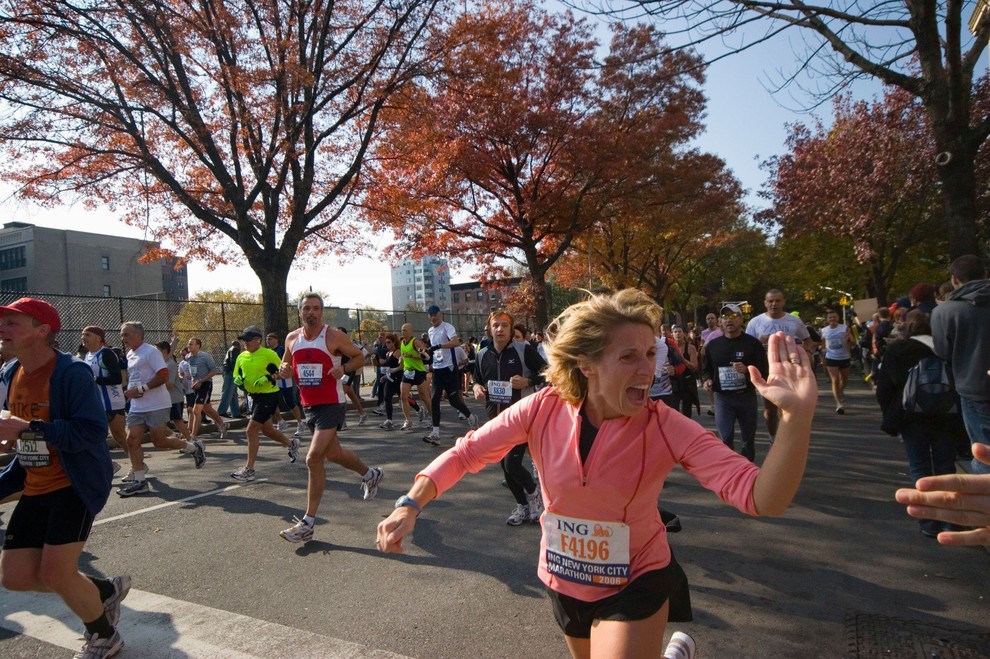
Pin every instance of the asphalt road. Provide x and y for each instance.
(845, 572)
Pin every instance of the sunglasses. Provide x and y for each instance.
(732, 315)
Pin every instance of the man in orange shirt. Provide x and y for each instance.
(61, 476)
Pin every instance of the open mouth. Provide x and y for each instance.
(637, 395)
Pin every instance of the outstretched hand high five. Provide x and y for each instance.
(791, 383)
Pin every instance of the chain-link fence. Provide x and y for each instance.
(216, 324)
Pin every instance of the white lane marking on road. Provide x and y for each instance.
(219, 490)
(158, 627)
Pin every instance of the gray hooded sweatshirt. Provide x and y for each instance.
(961, 332)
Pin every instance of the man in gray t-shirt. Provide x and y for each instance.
(202, 367)
(766, 324)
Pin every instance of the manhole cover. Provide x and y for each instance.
(872, 636)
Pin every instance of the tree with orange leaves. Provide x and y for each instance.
(666, 205)
(236, 129)
(509, 153)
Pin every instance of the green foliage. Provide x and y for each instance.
(217, 317)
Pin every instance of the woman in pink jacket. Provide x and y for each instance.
(603, 450)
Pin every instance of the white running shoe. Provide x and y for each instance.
(282, 424)
(98, 648)
(298, 532)
(534, 502)
(378, 411)
(681, 646)
(111, 605)
(370, 486)
(244, 475)
(472, 422)
(200, 454)
(432, 438)
(362, 419)
(406, 426)
(386, 424)
(223, 430)
(129, 476)
(132, 488)
(293, 449)
(519, 515)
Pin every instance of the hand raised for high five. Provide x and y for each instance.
(790, 383)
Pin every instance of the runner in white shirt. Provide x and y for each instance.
(762, 327)
(446, 376)
(837, 340)
(150, 407)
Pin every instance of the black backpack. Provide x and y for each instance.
(930, 388)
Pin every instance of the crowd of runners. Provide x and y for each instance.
(606, 377)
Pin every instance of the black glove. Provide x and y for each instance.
(433, 349)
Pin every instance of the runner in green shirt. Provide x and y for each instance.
(255, 371)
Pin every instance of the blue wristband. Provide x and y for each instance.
(406, 500)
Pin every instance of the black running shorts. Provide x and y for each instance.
(204, 392)
(324, 417)
(264, 406)
(641, 598)
(55, 518)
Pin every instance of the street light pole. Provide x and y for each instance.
(844, 306)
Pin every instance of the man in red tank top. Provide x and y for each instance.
(312, 356)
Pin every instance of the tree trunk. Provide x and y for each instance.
(541, 303)
(958, 177)
(275, 299)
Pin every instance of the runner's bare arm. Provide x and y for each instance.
(402, 520)
(285, 368)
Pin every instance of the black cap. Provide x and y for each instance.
(250, 332)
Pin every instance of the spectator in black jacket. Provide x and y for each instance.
(230, 404)
(930, 440)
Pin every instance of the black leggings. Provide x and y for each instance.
(517, 477)
(389, 389)
(448, 380)
(394, 388)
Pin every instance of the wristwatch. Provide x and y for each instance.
(35, 430)
(406, 500)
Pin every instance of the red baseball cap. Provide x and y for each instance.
(40, 310)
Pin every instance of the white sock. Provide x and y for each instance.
(191, 446)
(309, 520)
(367, 474)
(139, 475)
(436, 430)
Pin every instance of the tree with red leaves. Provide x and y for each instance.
(870, 175)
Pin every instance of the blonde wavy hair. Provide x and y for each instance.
(585, 329)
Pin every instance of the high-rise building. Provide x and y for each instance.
(421, 283)
(44, 260)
